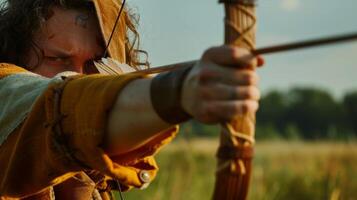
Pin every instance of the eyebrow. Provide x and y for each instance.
(58, 52)
(61, 53)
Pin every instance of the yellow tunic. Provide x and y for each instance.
(34, 158)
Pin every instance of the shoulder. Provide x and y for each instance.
(13, 78)
(19, 90)
(7, 69)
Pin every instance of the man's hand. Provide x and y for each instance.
(222, 85)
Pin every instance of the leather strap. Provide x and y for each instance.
(166, 96)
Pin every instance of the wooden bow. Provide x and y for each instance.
(237, 137)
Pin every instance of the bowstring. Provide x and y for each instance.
(114, 28)
(119, 189)
(105, 55)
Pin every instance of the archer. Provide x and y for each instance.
(75, 136)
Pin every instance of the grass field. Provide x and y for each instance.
(282, 170)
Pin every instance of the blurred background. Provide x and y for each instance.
(307, 123)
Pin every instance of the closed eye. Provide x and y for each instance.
(59, 60)
(54, 58)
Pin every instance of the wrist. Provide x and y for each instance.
(166, 96)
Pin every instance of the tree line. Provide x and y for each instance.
(300, 113)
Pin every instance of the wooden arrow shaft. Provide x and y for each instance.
(268, 50)
(305, 44)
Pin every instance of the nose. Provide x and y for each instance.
(87, 67)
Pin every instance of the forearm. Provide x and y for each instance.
(209, 92)
(133, 120)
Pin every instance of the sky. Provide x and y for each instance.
(175, 31)
(181, 30)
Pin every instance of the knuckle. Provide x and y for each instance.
(250, 78)
(239, 55)
(253, 62)
(204, 92)
(245, 107)
(254, 92)
(243, 57)
(249, 93)
(233, 52)
(206, 113)
(250, 106)
(209, 52)
(240, 92)
(238, 52)
(204, 75)
(238, 108)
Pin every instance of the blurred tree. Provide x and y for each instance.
(267, 132)
(313, 111)
(194, 128)
(350, 107)
(272, 111)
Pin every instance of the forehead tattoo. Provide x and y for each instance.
(82, 20)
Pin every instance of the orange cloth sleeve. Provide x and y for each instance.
(37, 155)
(9, 69)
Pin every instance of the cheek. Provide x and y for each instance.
(45, 71)
(35, 64)
(49, 70)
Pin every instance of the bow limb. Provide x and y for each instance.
(237, 137)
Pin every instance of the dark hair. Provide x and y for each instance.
(20, 19)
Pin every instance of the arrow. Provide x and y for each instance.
(267, 50)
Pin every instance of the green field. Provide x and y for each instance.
(282, 170)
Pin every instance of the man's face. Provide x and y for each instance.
(69, 39)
